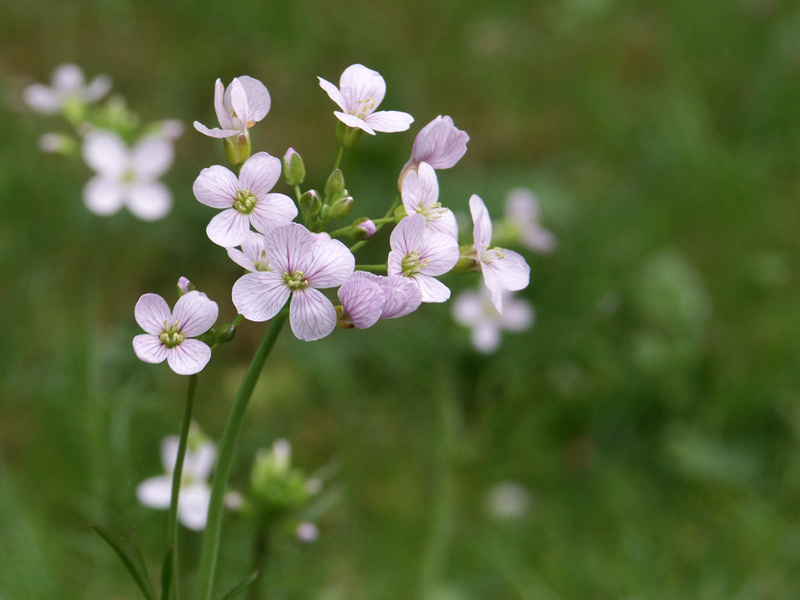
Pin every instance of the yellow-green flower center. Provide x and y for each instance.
(262, 264)
(295, 280)
(411, 264)
(245, 202)
(364, 108)
(171, 335)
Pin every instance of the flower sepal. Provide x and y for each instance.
(467, 261)
(348, 136)
(340, 207)
(238, 148)
(294, 170)
(310, 203)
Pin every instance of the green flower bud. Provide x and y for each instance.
(276, 486)
(341, 208)
(334, 184)
(400, 213)
(225, 334)
(363, 228)
(310, 203)
(347, 136)
(294, 171)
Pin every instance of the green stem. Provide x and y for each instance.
(177, 474)
(339, 157)
(387, 218)
(373, 268)
(297, 192)
(211, 538)
(347, 230)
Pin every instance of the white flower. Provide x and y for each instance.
(307, 532)
(127, 176)
(475, 309)
(168, 332)
(253, 256)
(246, 199)
(522, 221)
(195, 493)
(367, 297)
(508, 500)
(421, 254)
(440, 144)
(360, 92)
(420, 194)
(300, 262)
(243, 104)
(502, 269)
(67, 85)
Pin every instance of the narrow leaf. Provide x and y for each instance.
(242, 586)
(166, 574)
(145, 587)
(140, 560)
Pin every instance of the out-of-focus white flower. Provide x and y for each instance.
(307, 532)
(521, 222)
(67, 85)
(474, 309)
(508, 500)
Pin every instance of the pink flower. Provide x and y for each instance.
(502, 269)
(360, 92)
(246, 199)
(362, 300)
(67, 85)
(475, 309)
(420, 194)
(253, 255)
(300, 262)
(168, 332)
(421, 254)
(522, 221)
(243, 104)
(440, 144)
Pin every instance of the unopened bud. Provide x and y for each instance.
(237, 148)
(294, 171)
(225, 334)
(310, 203)
(335, 183)
(184, 286)
(348, 136)
(400, 213)
(341, 208)
(363, 228)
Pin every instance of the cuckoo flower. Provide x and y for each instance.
(300, 262)
(502, 269)
(476, 310)
(420, 194)
(67, 85)
(252, 257)
(127, 176)
(440, 144)
(367, 297)
(168, 332)
(420, 254)
(243, 104)
(246, 199)
(195, 493)
(360, 92)
(522, 221)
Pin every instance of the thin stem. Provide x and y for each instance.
(297, 192)
(211, 538)
(260, 552)
(339, 157)
(372, 268)
(379, 223)
(347, 230)
(177, 474)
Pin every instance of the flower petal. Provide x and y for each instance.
(198, 463)
(106, 153)
(258, 100)
(432, 289)
(389, 121)
(223, 113)
(510, 272)
(152, 156)
(402, 296)
(155, 492)
(359, 84)
(216, 187)
(195, 313)
(228, 228)
(148, 348)
(439, 252)
(482, 224)
(272, 210)
(259, 296)
(289, 247)
(103, 196)
(362, 301)
(354, 122)
(42, 99)
(149, 201)
(311, 314)
(193, 502)
(152, 313)
(408, 235)
(189, 357)
(214, 132)
(333, 92)
(328, 264)
(260, 173)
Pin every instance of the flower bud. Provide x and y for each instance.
(341, 208)
(310, 203)
(363, 228)
(225, 334)
(58, 143)
(184, 286)
(276, 486)
(400, 213)
(348, 136)
(334, 184)
(237, 148)
(294, 171)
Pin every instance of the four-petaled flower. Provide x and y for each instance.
(127, 176)
(67, 86)
(243, 104)
(420, 194)
(476, 310)
(246, 199)
(420, 254)
(360, 92)
(194, 494)
(169, 332)
(502, 269)
(367, 297)
(440, 144)
(300, 262)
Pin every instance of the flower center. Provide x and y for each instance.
(171, 335)
(492, 254)
(244, 202)
(431, 211)
(411, 264)
(295, 280)
(262, 263)
(363, 107)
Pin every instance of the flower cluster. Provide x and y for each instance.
(127, 160)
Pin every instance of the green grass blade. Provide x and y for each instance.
(144, 585)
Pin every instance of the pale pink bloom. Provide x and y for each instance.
(67, 85)
(360, 92)
(169, 332)
(246, 199)
(502, 269)
(367, 226)
(367, 297)
(421, 254)
(300, 262)
(195, 493)
(420, 194)
(440, 144)
(253, 256)
(184, 285)
(475, 309)
(522, 221)
(307, 532)
(243, 104)
(127, 176)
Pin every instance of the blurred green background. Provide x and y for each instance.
(652, 413)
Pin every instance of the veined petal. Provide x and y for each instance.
(272, 210)
(288, 247)
(510, 272)
(354, 122)
(420, 189)
(258, 100)
(408, 235)
(440, 251)
(195, 313)
(311, 314)
(482, 224)
(362, 301)
(106, 153)
(444, 222)
(149, 348)
(333, 92)
(188, 357)
(389, 121)
(152, 156)
(328, 264)
(359, 84)
(402, 296)
(260, 173)
(223, 114)
(260, 296)
(236, 98)
(440, 143)
(216, 187)
(432, 289)
(103, 196)
(228, 228)
(215, 132)
(155, 492)
(152, 313)
(241, 259)
(149, 201)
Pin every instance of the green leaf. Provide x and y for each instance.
(144, 584)
(242, 586)
(166, 574)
